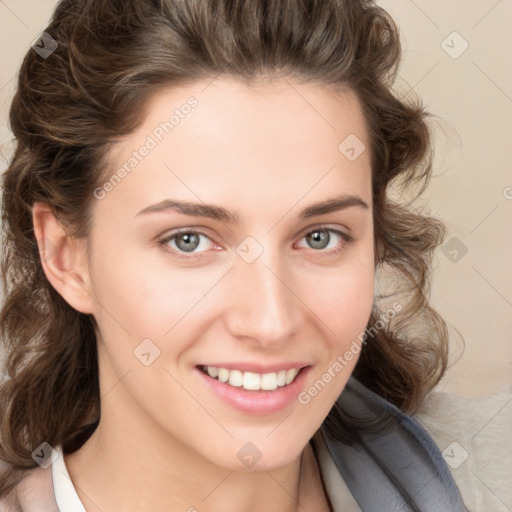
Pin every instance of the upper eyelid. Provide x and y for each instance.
(324, 227)
(180, 231)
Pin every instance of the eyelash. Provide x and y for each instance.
(347, 240)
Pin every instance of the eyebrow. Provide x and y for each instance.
(337, 203)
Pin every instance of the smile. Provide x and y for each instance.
(252, 381)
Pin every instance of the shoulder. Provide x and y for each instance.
(34, 493)
(395, 464)
(474, 436)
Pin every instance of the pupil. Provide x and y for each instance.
(319, 239)
(191, 242)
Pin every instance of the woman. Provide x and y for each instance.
(196, 215)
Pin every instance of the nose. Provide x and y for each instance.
(262, 305)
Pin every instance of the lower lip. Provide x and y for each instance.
(256, 402)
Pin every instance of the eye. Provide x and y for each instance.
(186, 241)
(323, 238)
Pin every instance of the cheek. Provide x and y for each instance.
(342, 297)
(344, 304)
(149, 299)
(347, 299)
(139, 300)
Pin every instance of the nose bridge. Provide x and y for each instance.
(263, 307)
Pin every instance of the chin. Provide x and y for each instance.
(263, 453)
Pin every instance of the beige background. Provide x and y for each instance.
(471, 94)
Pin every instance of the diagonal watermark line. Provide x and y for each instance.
(166, 166)
(484, 218)
(301, 198)
(280, 423)
(491, 80)
(408, 203)
(7, 83)
(404, 80)
(296, 90)
(418, 82)
(106, 393)
(493, 287)
(299, 299)
(210, 82)
(286, 490)
(3, 2)
(417, 493)
(494, 416)
(209, 290)
(424, 13)
(199, 403)
(82, 491)
(217, 486)
(498, 2)
(491, 490)
(100, 304)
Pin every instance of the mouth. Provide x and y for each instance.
(252, 388)
(252, 381)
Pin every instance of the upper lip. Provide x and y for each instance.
(260, 368)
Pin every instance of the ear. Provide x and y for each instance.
(63, 258)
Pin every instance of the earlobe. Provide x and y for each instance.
(63, 258)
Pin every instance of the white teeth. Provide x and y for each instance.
(253, 381)
(223, 374)
(269, 381)
(235, 378)
(290, 375)
(212, 371)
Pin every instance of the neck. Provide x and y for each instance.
(135, 465)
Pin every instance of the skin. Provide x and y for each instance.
(266, 151)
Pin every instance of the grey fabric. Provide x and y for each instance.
(396, 469)
(477, 428)
(340, 497)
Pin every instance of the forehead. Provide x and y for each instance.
(206, 140)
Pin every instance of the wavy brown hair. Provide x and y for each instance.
(70, 107)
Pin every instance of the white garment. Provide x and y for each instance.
(399, 466)
(65, 494)
(339, 495)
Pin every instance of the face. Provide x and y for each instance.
(237, 246)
